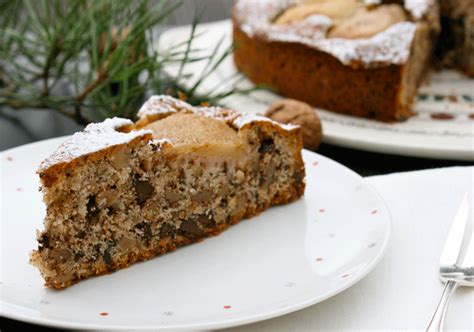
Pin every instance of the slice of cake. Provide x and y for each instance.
(361, 58)
(120, 192)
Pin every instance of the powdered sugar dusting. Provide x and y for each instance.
(254, 17)
(311, 28)
(220, 113)
(162, 104)
(372, 2)
(418, 8)
(391, 46)
(245, 119)
(99, 136)
(95, 137)
(167, 104)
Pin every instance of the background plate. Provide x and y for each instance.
(285, 259)
(443, 127)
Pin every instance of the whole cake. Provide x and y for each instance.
(362, 58)
(120, 192)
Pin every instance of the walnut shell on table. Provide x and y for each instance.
(298, 113)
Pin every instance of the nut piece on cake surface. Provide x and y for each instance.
(299, 113)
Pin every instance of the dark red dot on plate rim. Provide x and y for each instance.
(9, 158)
(345, 275)
(316, 163)
(442, 116)
(104, 313)
(19, 189)
(227, 307)
(319, 259)
(322, 210)
(374, 212)
(453, 98)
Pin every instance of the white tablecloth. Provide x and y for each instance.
(403, 290)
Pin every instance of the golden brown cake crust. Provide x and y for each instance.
(300, 72)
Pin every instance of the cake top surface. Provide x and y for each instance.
(178, 123)
(417, 8)
(389, 45)
(95, 137)
(163, 105)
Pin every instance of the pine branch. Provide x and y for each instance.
(99, 51)
(102, 76)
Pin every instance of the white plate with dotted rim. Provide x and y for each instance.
(443, 127)
(287, 258)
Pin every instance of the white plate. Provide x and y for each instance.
(286, 259)
(446, 92)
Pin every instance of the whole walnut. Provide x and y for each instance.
(298, 113)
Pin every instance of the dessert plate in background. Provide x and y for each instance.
(287, 258)
(443, 127)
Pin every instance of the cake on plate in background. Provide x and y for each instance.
(361, 58)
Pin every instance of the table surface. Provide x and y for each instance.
(17, 128)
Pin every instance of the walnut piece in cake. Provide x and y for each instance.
(301, 114)
(119, 192)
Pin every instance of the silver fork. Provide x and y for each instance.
(453, 270)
